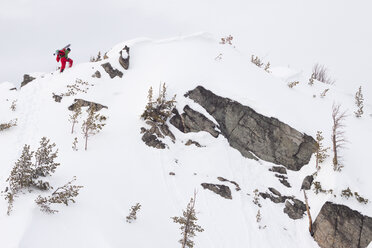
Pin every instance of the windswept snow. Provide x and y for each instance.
(118, 169)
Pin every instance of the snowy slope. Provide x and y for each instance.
(119, 170)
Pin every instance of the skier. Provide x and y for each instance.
(63, 56)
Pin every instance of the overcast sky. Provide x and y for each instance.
(300, 36)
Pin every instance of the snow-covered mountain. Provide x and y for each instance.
(118, 170)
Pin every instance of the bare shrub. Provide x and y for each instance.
(293, 84)
(257, 61)
(74, 144)
(338, 135)
(13, 106)
(74, 118)
(64, 194)
(323, 94)
(96, 59)
(188, 224)
(8, 125)
(320, 73)
(78, 86)
(227, 40)
(133, 213)
(267, 67)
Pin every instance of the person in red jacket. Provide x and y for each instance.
(63, 56)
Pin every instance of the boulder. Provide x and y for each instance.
(97, 74)
(124, 58)
(296, 210)
(111, 71)
(219, 189)
(254, 134)
(57, 98)
(306, 183)
(338, 226)
(26, 79)
(193, 121)
(84, 103)
(278, 169)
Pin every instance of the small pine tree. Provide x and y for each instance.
(44, 157)
(323, 94)
(321, 152)
(359, 102)
(74, 144)
(293, 84)
(267, 67)
(74, 118)
(188, 224)
(159, 110)
(92, 125)
(311, 79)
(133, 213)
(13, 107)
(64, 194)
(256, 60)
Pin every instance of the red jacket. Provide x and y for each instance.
(60, 54)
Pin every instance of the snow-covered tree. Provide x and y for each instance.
(92, 125)
(359, 102)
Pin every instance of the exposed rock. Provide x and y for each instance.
(26, 79)
(279, 198)
(13, 89)
(219, 189)
(278, 169)
(57, 98)
(296, 210)
(172, 173)
(306, 183)
(237, 187)
(338, 226)
(124, 58)
(97, 74)
(111, 71)
(283, 180)
(193, 121)
(251, 133)
(161, 130)
(84, 103)
(191, 142)
(152, 140)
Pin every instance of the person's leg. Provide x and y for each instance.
(63, 64)
(70, 62)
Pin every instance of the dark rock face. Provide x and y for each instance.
(279, 169)
(13, 89)
(193, 121)
(219, 189)
(97, 74)
(124, 58)
(157, 131)
(237, 187)
(306, 183)
(84, 103)
(192, 142)
(338, 226)
(111, 71)
(26, 79)
(254, 134)
(152, 140)
(283, 180)
(296, 210)
(57, 98)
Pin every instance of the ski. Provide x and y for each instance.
(67, 46)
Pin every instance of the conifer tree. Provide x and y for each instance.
(92, 125)
(188, 224)
(74, 118)
(359, 102)
(133, 213)
(321, 152)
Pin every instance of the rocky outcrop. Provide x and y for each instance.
(192, 142)
(283, 180)
(294, 210)
(157, 131)
(193, 121)
(254, 134)
(111, 71)
(237, 187)
(57, 98)
(84, 103)
(97, 74)
(219, 189)
(306, 183)
(338, 226)
(26, 79)
(124, 58)
(278, 169)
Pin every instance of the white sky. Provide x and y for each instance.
(334, 33)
